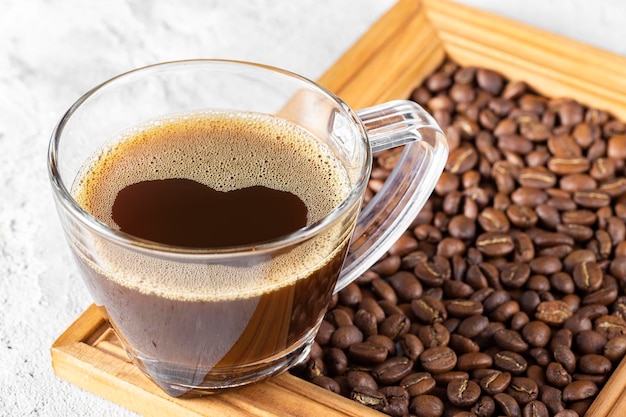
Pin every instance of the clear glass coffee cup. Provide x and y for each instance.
(200, 320)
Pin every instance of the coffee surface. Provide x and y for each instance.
(183, 212)
(224, 154)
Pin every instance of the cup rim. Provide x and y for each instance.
(70, 205)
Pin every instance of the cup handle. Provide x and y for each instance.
(395, 206)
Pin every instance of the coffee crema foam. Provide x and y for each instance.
(225, 151)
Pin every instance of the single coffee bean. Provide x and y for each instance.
(462, 344)
(336, 361)
(327, 383)
(495, 243)
(553, 312)
(536, 333)
(472, 326)
(428, 309)
(592, 363)
(438, 359)
(366, 322)
(566, 357)
(511, 362)
(356, 379)
(368, 352)
(418, 383)
(507, 404)
(397, 401)
(384, 291)
(587, 276)
(433, 335)
(590, 341)
(615, 349)
(345, 336)
(406, 285)
(427, 406)
(523, 390)
(463, 308)
(510, 340)
(394, 326)
(473, 360)
(552, 398)
(392, 370)
(557, 376)
(463, 392)
(579, 390)
(495, 383)
(411, 346)
(369, 397)
(535, 409)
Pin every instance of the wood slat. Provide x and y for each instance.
(554, 65)
(394, 56)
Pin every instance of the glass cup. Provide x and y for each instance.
(211, 337)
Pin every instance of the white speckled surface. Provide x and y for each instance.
(53, 51)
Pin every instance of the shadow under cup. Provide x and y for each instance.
(175, 309)
(210, 336)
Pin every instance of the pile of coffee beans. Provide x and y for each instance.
(505, 296)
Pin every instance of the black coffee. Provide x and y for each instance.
(211, 180)
(183, 212)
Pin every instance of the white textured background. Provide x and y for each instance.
(53, 51)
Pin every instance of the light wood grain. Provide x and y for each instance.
(392, 58)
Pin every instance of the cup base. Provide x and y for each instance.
(190, 383)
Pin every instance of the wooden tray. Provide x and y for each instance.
(394, 56)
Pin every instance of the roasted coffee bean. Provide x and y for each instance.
(461, 344)
(406, 285)
(495, 243)
(395, 326)
(590, 341)
(553, 312)
(411, 346)
(536, 333)
(523, 390)
(472, 326)
(384, 291)
(327, 383)
(356, 379)
(579, 390)
(484, 407)
(511, 362)
(507, 404)
(615, 349)
(463, 392)
(535, 409)
(592, 363)
(557, 376)
(473, 360)
(392, 370)
(587, 276)
(438, 359)
(387, 266)
(345, 336)
(463, 308)
(433, 335)
(366, 322)
(427, 406)
(418, 383)
(510, 340)
(368, 352)
(369, 397)
(429, 309)
(336, 361)
(496, 382)
(509, 278)
(566, 357)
